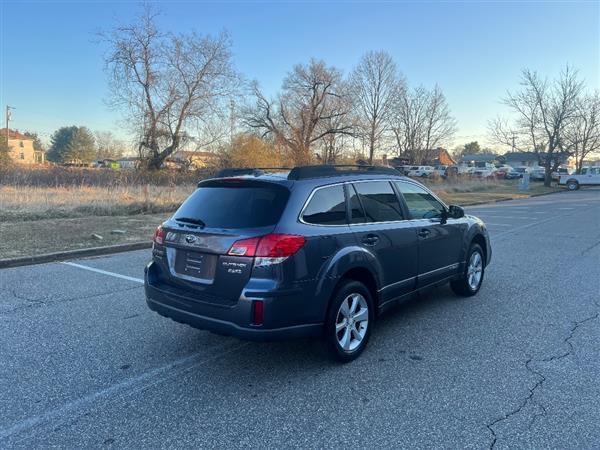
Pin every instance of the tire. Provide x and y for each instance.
(572, 185)
(342, 329)
(465, 285)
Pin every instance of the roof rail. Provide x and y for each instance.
(332, 170)
(255, 171)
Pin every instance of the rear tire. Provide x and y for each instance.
(472, 277)
(349, 321)
(572, 185)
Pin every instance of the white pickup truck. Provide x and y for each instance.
(589, 176)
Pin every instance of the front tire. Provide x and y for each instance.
(349, 321)
(472, 277)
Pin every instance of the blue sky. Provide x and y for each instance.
(52, 66)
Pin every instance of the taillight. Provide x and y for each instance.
(270, 249)
(159, 235)
(279, 245)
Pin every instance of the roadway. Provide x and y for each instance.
(84, 363)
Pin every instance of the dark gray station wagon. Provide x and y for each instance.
(311, 251)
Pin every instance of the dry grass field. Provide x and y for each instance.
(26, 203)
(56, 209)
(469, 192)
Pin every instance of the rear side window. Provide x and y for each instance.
(235, 204)
(327, 206)
(379, 201)
(421, 203)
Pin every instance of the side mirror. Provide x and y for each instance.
(455, 212)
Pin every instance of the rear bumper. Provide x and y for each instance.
(231, 329)
(284, 311)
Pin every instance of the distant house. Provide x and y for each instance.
(522, 159)
(431, 157)
(20, 148)
(534, 159)
(438, 157)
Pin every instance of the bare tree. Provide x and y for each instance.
(422, 121)
(304, 112)
(166, 85)
(108, 146)
(543, 111)
(582, 135)
(375, 86)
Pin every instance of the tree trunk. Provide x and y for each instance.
(547, 174)
(371, 145)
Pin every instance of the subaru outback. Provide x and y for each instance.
(311, 251)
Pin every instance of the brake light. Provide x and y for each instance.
(159, 235)
(270, 249)
(279, 245)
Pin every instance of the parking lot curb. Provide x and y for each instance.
(73, 254)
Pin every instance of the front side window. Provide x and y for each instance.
(327, 206)
(379, 201)
(420, 202)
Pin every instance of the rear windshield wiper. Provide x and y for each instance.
(191, 220)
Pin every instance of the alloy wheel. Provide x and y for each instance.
(352, 321)
(474, 270)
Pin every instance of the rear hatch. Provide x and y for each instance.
(200, 234)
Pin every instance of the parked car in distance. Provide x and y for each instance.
(512, 174)
(420, 171)
(590, 176)
(522, 170)
(466, 170)
(538, 174)
(502, 171)
(440, 170)
(312, 251)
(482, 173)
(403, 169)
(560, 171)
(451, 171)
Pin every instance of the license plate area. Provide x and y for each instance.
(194, 266)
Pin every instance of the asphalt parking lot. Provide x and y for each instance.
(84, 363)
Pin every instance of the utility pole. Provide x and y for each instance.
(8, 117)
(513, 143)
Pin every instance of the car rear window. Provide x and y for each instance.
(327, 206)
(235, 204)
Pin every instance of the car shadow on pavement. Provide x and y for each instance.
(311, 352)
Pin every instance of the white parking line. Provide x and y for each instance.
(499, 224)
(103, 272)
(528, 225)
(502, 216)
(119, 391)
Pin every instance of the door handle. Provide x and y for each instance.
(424, 232)
(370, 239)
